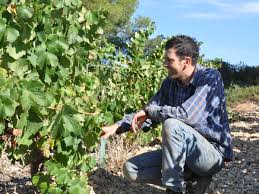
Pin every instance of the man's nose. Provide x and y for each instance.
(165, 65)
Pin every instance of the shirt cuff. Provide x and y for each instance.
(123, 127)
(119, 123)
(152, 112)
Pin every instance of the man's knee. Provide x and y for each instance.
(171, 126)
(129, 171)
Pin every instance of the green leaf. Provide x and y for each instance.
(66, 123)
(42, 181)
(72, 141)
(22, 122)
(11, 34)
(35, 179)
(99, 31)
(92, 162)
(31, 129)
(77, 182)
(69, 140)
(76, 189)
(25, 12)
(27, 33)
(72, 3)
(57, 46)
(7, 106)
(19, 67)
(53, 189)
(91, 17)
(85, 167)
(62, 176)
(2, 27)
(33, 95)
(3, 73)
(52, 167)
(32, 98)
(52, 59)
(2, 127)
(33, 59)
(48, 58)
(32, 85)
(4, 2)
(3, 76)
(90, 139)
(47, 77)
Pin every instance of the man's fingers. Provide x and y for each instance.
(104, 132)
(133, 128)
(133, 124)
(106, 135)
(140, 124)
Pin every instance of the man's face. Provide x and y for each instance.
(174, 64)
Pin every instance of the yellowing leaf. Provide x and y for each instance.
(12, 52)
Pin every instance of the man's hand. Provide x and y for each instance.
(107, 131)
(138, 119)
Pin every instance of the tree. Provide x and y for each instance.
(122, 34)
(119, 12)
(119, 24)
(153, 43)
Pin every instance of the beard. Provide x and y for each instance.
(173, 74)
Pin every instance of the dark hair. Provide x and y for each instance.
(185, 46)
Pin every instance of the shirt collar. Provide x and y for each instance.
(194, 78)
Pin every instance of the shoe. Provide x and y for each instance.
(168, 191)
(198, 184)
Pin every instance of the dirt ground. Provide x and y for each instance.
(239, 176)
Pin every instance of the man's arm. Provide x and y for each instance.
(194, 109)
(125, 123)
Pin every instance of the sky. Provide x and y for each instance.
(229, 29)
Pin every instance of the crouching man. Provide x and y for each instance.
(196, 139)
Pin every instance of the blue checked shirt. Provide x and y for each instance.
(201, 104)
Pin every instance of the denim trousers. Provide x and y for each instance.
(184, 153)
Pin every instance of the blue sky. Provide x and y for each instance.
(229, 29)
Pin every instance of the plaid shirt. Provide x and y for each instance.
(201, 104)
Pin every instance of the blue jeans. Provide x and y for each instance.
(184, 152)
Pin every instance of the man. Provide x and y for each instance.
(191, 106)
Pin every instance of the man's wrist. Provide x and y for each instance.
(145, 109)
(116, 125)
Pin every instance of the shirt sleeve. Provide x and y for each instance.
(125, 122)
(196, 108)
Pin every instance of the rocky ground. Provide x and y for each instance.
(239, 176)
(14, 178)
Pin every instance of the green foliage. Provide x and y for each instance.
(47, 90)
(236, 93)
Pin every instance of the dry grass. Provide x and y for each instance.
(118, 150)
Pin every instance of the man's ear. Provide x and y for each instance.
(188, 61)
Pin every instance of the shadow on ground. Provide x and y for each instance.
(104, 182)
(17, 185)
